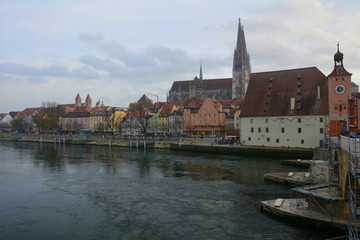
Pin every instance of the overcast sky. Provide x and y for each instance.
(117, 50)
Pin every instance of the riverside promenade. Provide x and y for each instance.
(183, 144)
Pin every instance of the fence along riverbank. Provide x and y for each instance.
(181, 144)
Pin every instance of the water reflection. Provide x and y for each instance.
(53, 191)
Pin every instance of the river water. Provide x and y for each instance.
(49, 191)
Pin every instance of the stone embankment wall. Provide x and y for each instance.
(174, 144)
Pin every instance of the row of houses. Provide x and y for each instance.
(195, 116)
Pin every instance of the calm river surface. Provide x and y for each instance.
(80, 192)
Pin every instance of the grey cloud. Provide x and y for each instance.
(52, 71)
(91, 38)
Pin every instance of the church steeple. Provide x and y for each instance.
(201, 74)
(241, 65)
(339, 68)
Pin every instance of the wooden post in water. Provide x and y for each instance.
(144, 144)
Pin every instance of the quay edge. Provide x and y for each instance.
(296, 210)
(272, 152)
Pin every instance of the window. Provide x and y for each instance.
(282, 130)
(268, 139)
(302, 141)
(277, 140)
(209, 115)
(321, 130)
(322, 119)
(299, 120)
(266, 120)
(249, 138)
(267, 130)
(259, 130)
(282, 120)
(251, 120)
(214, 121)
(299, 130)
(252, 129)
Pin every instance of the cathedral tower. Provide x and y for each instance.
(241, 66)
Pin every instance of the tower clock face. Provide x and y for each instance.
(340, 89)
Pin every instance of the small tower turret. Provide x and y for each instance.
(88, 102)
(78, 100)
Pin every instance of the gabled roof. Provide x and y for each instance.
(167, 109)
(193, 103)
(209, 84)
(2, 115)
(27, 111)
(144, 98)
(13, 114)
(269, 93)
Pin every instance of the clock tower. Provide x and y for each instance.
(339, 81)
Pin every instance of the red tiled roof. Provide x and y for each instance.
(193, 103)
(269, 93)
(27, 111)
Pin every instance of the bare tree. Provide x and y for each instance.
(113, 118)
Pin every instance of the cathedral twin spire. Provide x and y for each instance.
(241, 66)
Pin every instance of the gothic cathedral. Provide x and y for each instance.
(223, 88)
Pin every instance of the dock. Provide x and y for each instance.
(291, 178)
(296, 210)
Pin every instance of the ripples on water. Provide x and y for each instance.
(80, 192)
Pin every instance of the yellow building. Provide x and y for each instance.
(106, 119)
(163, 118)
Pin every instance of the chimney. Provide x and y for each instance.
(292, 103)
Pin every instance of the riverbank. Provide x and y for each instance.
(188, 144)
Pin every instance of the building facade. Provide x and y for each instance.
(203, 118)
(287, 108)
(339, 94)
